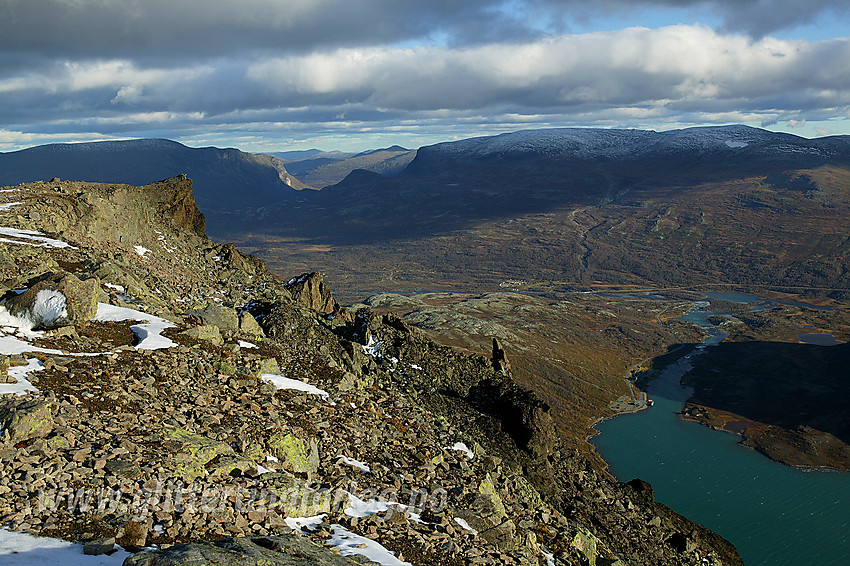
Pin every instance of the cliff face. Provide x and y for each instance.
(202, 399)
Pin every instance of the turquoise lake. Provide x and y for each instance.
(774, 514)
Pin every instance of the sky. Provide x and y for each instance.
(278, 75)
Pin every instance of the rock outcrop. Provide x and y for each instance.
(309, 290)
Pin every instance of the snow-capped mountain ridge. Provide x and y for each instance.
(594, 143)
(114, 145)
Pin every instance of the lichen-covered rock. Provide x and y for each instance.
(207, 333)
(289, 550)
(223, 317)
(493, 506)
(27, 420)
(248, 325)
(586, 544)
(295, 454)
(193, 452)
(230, 465)
(300, 498)
(268, 365)
(489, 517)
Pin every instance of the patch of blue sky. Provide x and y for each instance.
(590, 20)
(826, 25)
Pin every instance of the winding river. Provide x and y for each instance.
(774, 514)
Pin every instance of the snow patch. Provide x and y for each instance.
(48, 307)
(141, 250)
(354, 463)
(12, 324)
(465, 526)
(9, 205)
(350, 544)
(10, 346)
(371, 348)
(149, 334)
(119, 288)
(286, 383)
(21, 373)
(301, 523)
(22, 549)
(244, 344)
(31, 238)
(295, 280)
(461, 447)
(736, 144)
(359, 508)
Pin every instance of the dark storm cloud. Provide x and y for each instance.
(219, 28)
(214, 28)
(754, 17)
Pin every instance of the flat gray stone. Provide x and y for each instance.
(292, 550)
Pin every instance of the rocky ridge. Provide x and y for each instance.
(166, 390)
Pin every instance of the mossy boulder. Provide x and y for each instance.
(489, 496)
(296, 497)
(488, 516)
(226, 368)
(268, 365)
(4, 371)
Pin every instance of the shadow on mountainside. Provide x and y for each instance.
(439, 194)
(781, 384)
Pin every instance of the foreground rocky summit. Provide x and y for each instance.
(166, 391)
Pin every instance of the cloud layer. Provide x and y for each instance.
(270, 68)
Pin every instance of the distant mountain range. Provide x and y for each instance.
(733, 204)
(223, 178)
(536, 170)
(730, 204)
